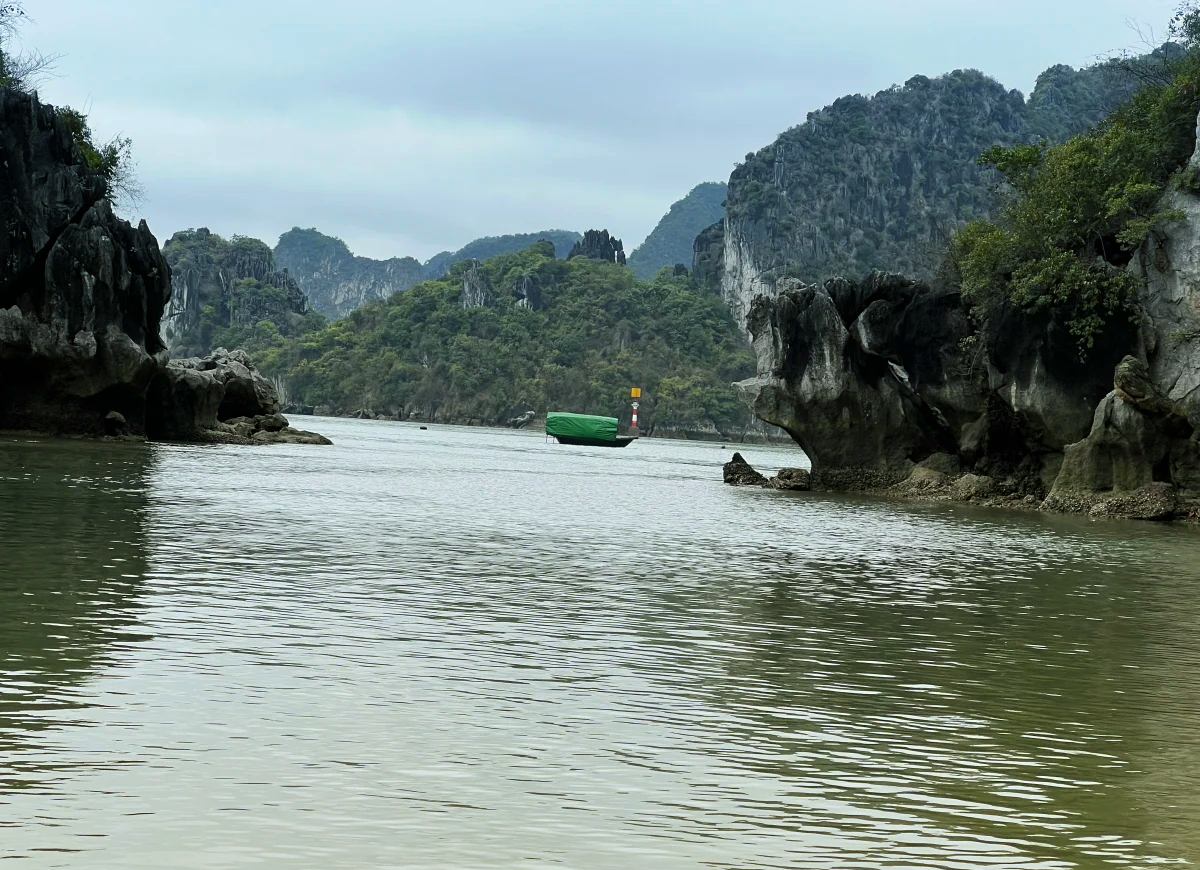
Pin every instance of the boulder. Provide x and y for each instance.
(220, 398)
(795, 479)
(522, 421)
(738, 472)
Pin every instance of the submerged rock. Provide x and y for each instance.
(797, 479)
(739, 472)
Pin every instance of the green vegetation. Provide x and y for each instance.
(334, 279)
(1076, 211)
(24, 70)
(882, 182)
(671, 241)
(551, 335)
(493, 246)
(229, 294)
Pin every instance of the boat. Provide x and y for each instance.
(585, 430)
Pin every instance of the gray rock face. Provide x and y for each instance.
(221, 398)
(204, 270)
(335, 280)
(599, 245)
(476, 289)
(873, 377)
(81, 291)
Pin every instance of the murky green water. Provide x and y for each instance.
(471, 649)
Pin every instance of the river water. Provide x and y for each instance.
(460, 648)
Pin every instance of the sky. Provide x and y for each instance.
(414, 126)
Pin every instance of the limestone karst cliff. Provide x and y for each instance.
(81, 291)
(218, 284)
(888, 382)
(82, 295)
(335, 280)
(880, 182)
(599, 245)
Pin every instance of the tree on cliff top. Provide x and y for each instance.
(22, 70)
(1076, 212)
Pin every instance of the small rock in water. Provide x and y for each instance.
(797, 479)
(739, 472)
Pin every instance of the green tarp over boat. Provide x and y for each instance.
(581, 426)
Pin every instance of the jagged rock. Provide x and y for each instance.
(970, 487)
(739, 472)
(81, 291)
(1135, 435)
(476, 289)
(204, 271)
(221, 398)
(335, 280)
(797, 479)
(871, 377)
(522, 421)
(599, 245)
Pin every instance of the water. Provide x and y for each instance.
(460, 648)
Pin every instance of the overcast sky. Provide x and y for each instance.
(407, 128)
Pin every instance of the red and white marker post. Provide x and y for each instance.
(635, 393)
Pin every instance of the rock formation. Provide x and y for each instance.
(885, 384)
(237, 280)
(738, 472)
(599, 245)
(876, 182)
(335, 280)
(82, 294)
(81, 291)
(476, 289)
(221, 398)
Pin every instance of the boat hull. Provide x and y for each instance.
(619, 441)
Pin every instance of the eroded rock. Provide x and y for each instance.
(738, 472)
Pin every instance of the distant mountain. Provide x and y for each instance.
(494, 246)
(880, 182)
(671, 241)
(219, 287)
(335, 280)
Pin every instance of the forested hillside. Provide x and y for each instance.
(882, 182)
(518, 332)
(671, 240)
(218, 285)
(494, 246)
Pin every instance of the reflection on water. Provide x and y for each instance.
(460, 648)
(72, 555)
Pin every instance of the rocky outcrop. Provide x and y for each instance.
(599, 245)
(738, 472)
(873, 377)
(522, 421)
(879, 182)
(237, 280)
(82, 295)
(221, 398)
(476, 289)
(81, 291)
(335, 280)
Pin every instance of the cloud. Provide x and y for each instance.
(413, 127)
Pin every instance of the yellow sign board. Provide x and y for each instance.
(635, 393)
